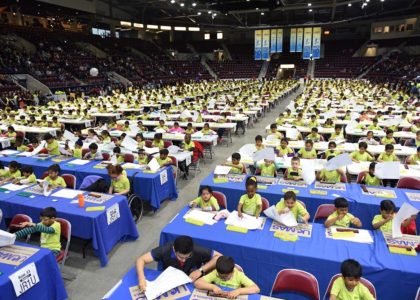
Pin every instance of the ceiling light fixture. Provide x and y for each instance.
(194, 4)
(310, 10)
(309, 4)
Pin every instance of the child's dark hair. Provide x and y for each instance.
(14, 164)
(140, 135)
(337, 127)
(141, 151)
(341, 202)
(351, 268)
(116, 150)
(284, 140)
(184, 244)
(332, 143)
(363, 145)
(164, 151)
(48, 136)
(290, 195)
(49, 212)
(314, 129)
(93, 146)
(309, 142)
(251, 181)
(158, 136)
(206, 187)
(295, 158)
(27, 169)
(54, 168)
(114, 169)
(225, 265)
(236, 156)
(372, 166)
(258, 138)
(273, 126)
(387, 205)
(389, 147)
(389, 131)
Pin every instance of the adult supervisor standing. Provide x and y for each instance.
(181, 254)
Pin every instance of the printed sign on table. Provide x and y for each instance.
(413, 196)
(113, 213)
(24, 279)
(303, 230)
(15, 255)
(163, 177)
(175, 293)
(205, 295)
(406, 240)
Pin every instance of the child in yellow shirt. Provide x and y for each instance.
(259, 143)
(341, 217)
(163, 158)
(11, 174)
(53, 179)
(142, 159)
(52, 145)
(289, 203)
(369, 178)
(275, 132)
(284, 149)
(308, 152)
(267, 168)
(250, 203)
(294, 172)
(120, 185)
(206, 200)
(237, 166)
(28, 176)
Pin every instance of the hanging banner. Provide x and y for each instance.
(280, 40)
(293, 40)
(257, 45)
(273, 43)
(316, 43)
(299, 38)
(307, 43)
(266, 44)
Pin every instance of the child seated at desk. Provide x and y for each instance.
(226, 275)
(389, 138)
(28, 176)
(11, 174)
(385, 219)
(328, 123)
(141, 127)
(120, 185)
(348, 286)
(163, 158)
(52, 145)
(347, 116)
(259, 143)
(369, 139)
(313, 122)
(77, 151)
(176, 128)
(206, 130)
(331, 151)
(206, 200)
(189, 129)
(141, 143)
(93, 153)
(294, 172)
(369, 178)
(388, 155)
(49, 228)
(267, 168)
(362, 154)
(53, 179)
(280, 119)
(126, 126)
(236, 166)
(117, 156)
(374, 125)
(161, 126)
(298, 121)
(92, 137)
(308, 152)
(415, 158)
(142, 159)
(330, 176)
(55, 123)
(341, 217)
(284, 149)
(275, 132)
(250, 203)
(314, 136)
(19, 144)
(337, 134)
(158, 141)
(105, 136)
(290, 203)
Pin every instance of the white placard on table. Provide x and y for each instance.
(153, 165)
(113, 213)
(163, 177)
(67, 193)
(79, 162)
(24, 279)
(166, 281)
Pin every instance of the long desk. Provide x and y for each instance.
(50, 285)
(365, 207)
(262, 256)
(86, 225)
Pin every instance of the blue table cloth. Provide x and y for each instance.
(146, 185)
(262, 256)
(130, 279)
(85, 225)
(365, 207)
(50, 285)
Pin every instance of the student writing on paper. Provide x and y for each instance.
(250, 203)
(314, 136)
(267, 168)
(77, 151)
(158, 141)
(330, 176)
(92, 137)
(28, 176)
(182, 254)
(275, 132)
(162, 126)
(116, 154)
(259, 143)
(284, 149)
(389, 138)
(369, 177)
(49, 228)
(295, 171)
(384, 220)
(388, 155)
(141, 142)
(348, 286)
(369, 139)
(237, 166)
(362, 154)
(341, 217)
(52, 145)
(415, 158)
(206, 130)
(105, 136)
(163, 159)
(331, 151)
(337, 134)
(53, 179)
(142, 159)
(12, 174)
(308, 151)
(289, 203)
(120, 184)
(206, 201)
(226, 275)
(189, 129)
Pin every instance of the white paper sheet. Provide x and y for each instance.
(248, 222)
(160, 130)
(153, 165)
(67, 193)
(24, 279)
(70, 136)
(9, 152)
(185, 114)
(222, 170)
(6, 238)
(363, 236)
(129, 143)
(338, 162)
(132, 166)
(405, 212)
(292, 133)
(166, 281)
(308, 171)
(272, 138)
(266, 153)
(247, 150)
(173, 149)
(392, 122)
(39, 148)
(63, 151)
(151, 150)
(79, 162)
(14, 187)
(388, 170)
(195, 116)
(200, 215)
(25, 154)
(163, 116)
(287, 219)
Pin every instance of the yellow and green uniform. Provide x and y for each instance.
(141, 144)
(344, 222)
(164, 161)
(162, 128)
(340, 291)
(414, 158)
(386, 141)
(385, 157)
(329, 153)
(52, 240)
(277, 134)
(77, 153)
(31, 178)
(53, 148)
(298, 123)
(314, 137)
(374, 127)
(236, 169)
(238, 280)
(313, 124)
(56, 125)
(206, 205)
(269, 170)
(120, 159)
(260, 147)
(361, 156)
(159, 144)
(387, 227)
(335, 136)
(189, 130)
(307, 154)
(249, 205)
(291, 173)
(120, 184)
(142, 161)
(284, 151)
(188, 146)
(206, 131)
(279, 121)
(371, 180)
(22, 148)
(59, 181)
(106, 139)
(15, 175)
(330, 176)
(298, 210)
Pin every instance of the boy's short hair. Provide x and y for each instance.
(273, 126)
(337, 126)
(225, 265)
(184, 244)
(363, 145)
(387, 205)
(314, 129)
(141, 151)
(332, 143)
(79, 142)
(116, 150)
(49, 212)
(295, 158)
(206, 187)
(341, 202)
(48, 136)
(375, 120)
(236, 156)
(14, 164)
(189, 124)
(164, 151)
(370, 131)
(258, 138)
(372, 165)
(284, 140)
(290, 195)
(389, 131)
(19, 139)
(54, 168)
(93, 146)
(158, 136)
(351, 268)
(27, 169)
(418, 149)
(389, 147)
(309, 142)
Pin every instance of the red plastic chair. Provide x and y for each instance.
(84, 151)
(106, 156)
(70, 180)
(175, 164)
(409, 183)
(221, 199)
(16, 220)
(65, 234)
(363, 281)
(265, 203)
(44, 175)
(297, 281)
(148, 144)
(43, 151)
(323, 211)
(129, 158)
(167, 144)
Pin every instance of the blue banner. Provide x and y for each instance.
(299, 38)
(316, 43)
(280, 40)
(266, 44)
(307, 43)
(273, 43)
(257, 45)
(293, 40)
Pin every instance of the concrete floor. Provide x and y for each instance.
(92, 281)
